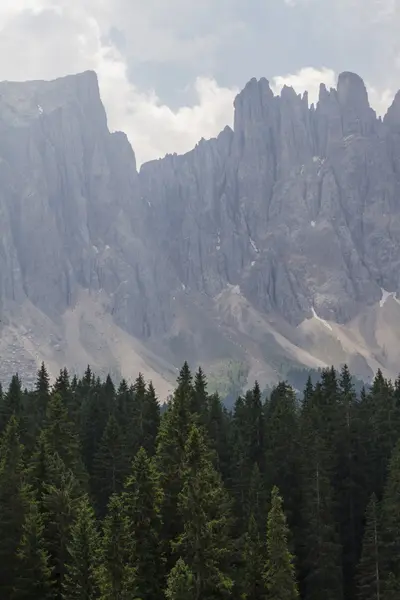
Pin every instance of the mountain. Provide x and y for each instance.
(272, 247)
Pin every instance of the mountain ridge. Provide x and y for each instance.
(268, 245)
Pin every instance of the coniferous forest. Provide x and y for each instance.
(103, 495)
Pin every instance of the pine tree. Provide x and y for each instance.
(391, 525)
(61, 437)
(15, 497)
(42, 394)
(320, 551)
(200, 396)
(180, 585)
(142, 500)
(252, 577)
(116, 575)
(80, 582)
(11, 403)
(283, 448)
(173, 433)
(369, 585)
(218, 429)
(110, 466)
(60, 501)
(280, 578)
(349, 479)
(205, 510)
(33, 579)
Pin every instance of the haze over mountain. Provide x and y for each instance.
(275, 245)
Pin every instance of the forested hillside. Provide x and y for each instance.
(103, 497)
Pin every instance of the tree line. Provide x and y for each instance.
(104, 496)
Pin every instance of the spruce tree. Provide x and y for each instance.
(173, 433)
(80, 581)
(60, 501)
(180, 584)
(142, 498)
(61, 437)
(110, 466)
(116, 573)
(11, 403)
(42, 394)
(283, 448)
(279, 575)
(33, 580)
(205, 510)
(369, 584)
(15, 497)
(251, 582)
(391, 525)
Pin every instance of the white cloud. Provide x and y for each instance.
(64, 37)
(307, 79)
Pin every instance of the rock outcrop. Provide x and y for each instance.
(276, 244)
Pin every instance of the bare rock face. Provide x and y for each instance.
(272, 245)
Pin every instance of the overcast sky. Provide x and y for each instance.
(169, 69)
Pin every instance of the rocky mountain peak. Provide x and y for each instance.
(273, 245)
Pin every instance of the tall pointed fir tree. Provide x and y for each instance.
(116, 574)
(80, 581)
(282, 448)
(142, 499)
(369, 575)
(251, 579)
(204, 506)
(11, 403)
(42, 394)
(319, 549)
(33, 580)
(280, 578)
(391, 528)
(111, 465)
(174, 430)
(61, 437)
(349, 479)
(15, 497)
(60, 501)
(180, 584)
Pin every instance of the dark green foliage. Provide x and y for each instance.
(391, 525)
(369, 571)
(111, 464)
(14, 501)
(251, 583)
(142, 498)
(80, 580)
(33, 580)
(180, 585)
(60, 501)
(279, 573)
(205, 511)
(181, 494)
(116, 575)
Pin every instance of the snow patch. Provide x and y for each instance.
(313, 223)
(40, 109)
(95, 248)
(253, 262)
(253, 245)
(218, 247)
(107, 247)
(385, 296)
(183, 286)
(148, 202)
(325, 323)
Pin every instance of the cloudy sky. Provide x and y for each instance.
(169, 69)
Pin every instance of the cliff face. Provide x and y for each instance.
(276, 244)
